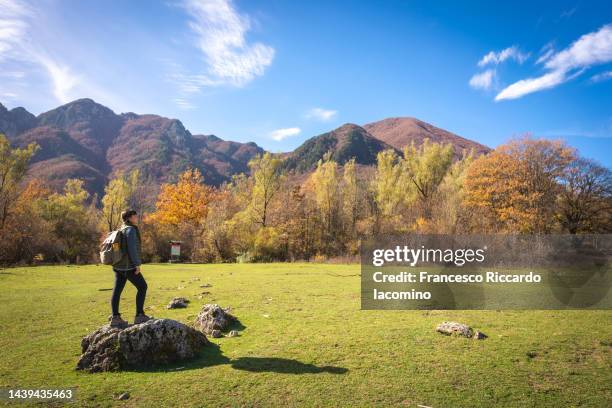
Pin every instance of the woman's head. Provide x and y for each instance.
(129, 216)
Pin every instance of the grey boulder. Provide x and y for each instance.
(459, 329)
(178, 303)
(153, 343)
(213, 318)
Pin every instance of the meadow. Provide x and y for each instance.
(303, 341)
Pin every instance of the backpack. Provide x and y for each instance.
(110, 250)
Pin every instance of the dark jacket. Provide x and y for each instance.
(130, 247)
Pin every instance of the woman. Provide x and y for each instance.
(128, 268)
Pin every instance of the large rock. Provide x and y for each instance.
(214, 319)
(153, 343)
(459, 329)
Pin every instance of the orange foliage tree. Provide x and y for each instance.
(515, 187)
(182, 208)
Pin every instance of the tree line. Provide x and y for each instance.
(527, 185)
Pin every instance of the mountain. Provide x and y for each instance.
(15, 121)
(86, 140)
(401, 132)
(343, 143)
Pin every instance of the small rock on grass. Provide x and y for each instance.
(213, 317)
(459, 329)
(123, 396)
(216, 334)
(178, 303)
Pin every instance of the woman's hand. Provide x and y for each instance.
(137, 271)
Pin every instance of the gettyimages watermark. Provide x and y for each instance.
(486, 272)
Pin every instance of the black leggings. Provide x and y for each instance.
(138, 281)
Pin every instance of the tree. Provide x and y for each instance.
(266, 174)
(13, 168)
(350, 195)
(515, 187)
(118, 195)
(425, 167)
(183, 207)
(72, 222)
(29, 234)
(387, 184)
(585, 201)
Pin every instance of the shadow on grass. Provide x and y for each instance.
(282, 366)
(212, 356)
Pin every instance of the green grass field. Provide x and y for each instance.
(304, 342)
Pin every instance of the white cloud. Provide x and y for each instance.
(603, 76)
(495, 58)
(545, 53)
(483, 80)
(13, 25)
(590, 49)
(63, 80)
(321, 114)
(281, 134)
(221, 37)
(525, 86)
(16, 21)
(184, 104)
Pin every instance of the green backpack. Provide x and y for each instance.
(111, 250)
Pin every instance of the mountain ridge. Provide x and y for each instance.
(87, 140)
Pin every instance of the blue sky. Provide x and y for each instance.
(279, 72)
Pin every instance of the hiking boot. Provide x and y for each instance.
(117, 322)
(141, 318)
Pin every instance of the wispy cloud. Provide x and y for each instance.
(591, 49)
(63, 80)
(221, 35)
(13, 26)
(603, 76)
(495, 58)
(321, 114)
(17, 21)
(184, 104)
(281, 134)
(546, 52)
(483, 80)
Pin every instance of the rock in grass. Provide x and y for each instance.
(123, 396)
(178, 303)
(213, 317)
(478, 335)
(153, 343)
(459, 329)
(216, 334)
(233, 333)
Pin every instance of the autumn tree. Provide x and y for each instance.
(424, 168)
(184, 206)
(266, 175)
(119, 195)
(350, 196)
(13, 168)
(516, 186)
(584, 204)
(30, 234)
(448, 210)
(72, 222)
(387, 184)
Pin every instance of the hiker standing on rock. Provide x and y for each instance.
(128, 268)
